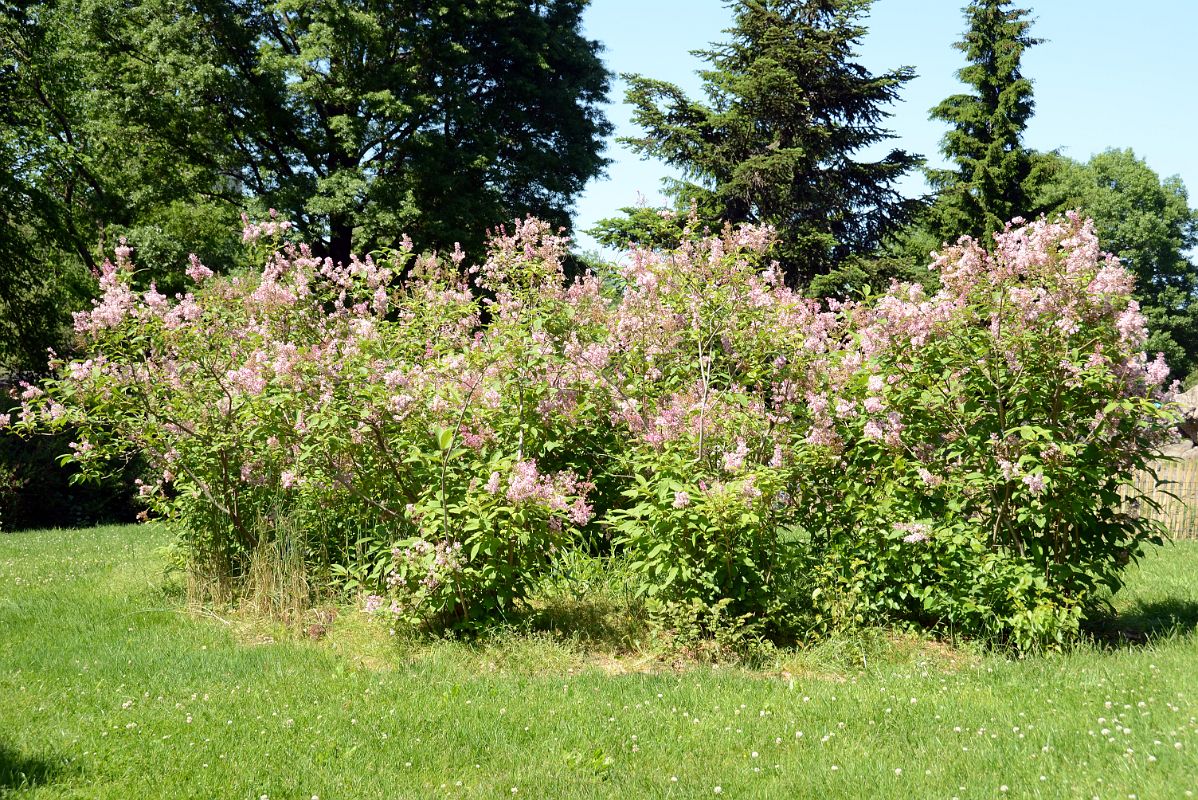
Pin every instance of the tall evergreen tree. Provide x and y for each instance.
(990, 183)
(787, 109)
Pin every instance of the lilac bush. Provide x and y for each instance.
(718, 383)
(1000, 421)
(375, 411)
(441, 429)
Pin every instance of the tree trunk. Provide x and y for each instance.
(341, 234)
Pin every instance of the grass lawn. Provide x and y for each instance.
(108, 689)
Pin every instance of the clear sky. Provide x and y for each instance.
(1110, 74)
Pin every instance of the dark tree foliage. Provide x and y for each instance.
(35, 492)
(91, 172)
(40, 186)
(365, 119)
(361, 120)
(787, 110)
(990, 183)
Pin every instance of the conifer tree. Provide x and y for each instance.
(991, 181)
(787, 111)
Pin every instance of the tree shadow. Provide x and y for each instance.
(1146, 622)
(594, 622)
(20, 771)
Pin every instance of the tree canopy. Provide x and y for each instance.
(360, 120)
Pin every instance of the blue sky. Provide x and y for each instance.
(1110, 74)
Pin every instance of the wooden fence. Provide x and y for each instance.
(1177, 495)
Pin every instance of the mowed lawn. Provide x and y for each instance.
(108, 689)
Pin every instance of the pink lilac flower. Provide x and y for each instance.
(153, 298)
(525, 482)
(734, 460)
(580, 512)
(124, 253)
(930, 479)
(1157, 370)
(248, 379)
(776, 460)
(894, 429)
(681, 499)
(1068, 325)
(916, 531)
(749, 488)
(373, 603)
(471, 439)
(1034, 482)
(197, 271)
(1131, 325)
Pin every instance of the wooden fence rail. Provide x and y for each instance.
(1177, 495)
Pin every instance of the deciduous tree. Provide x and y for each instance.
(360, 120)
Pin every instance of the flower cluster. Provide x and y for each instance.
(424, 567)
(271, 228)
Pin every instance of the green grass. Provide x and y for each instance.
(108, 689)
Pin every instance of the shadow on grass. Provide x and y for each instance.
(1147, 622)
(594, 623)
(19, 771)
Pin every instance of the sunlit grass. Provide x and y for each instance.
(108, 688)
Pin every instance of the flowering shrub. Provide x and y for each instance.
(440, 430)
(717, 373)
(1000, 422)
(371, 410)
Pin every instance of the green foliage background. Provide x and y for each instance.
(162, 120)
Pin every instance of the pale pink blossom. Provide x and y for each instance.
(734, 460)
(196, 270)
(928, 478)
